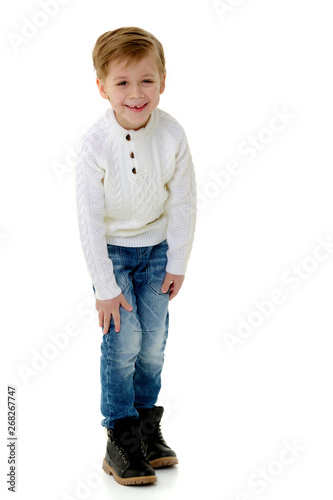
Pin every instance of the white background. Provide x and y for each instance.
(229, 412)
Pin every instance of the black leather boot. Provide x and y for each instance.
(158, 452)
(125, 456)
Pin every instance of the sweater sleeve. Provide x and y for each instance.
(90, 200)
(181, 207)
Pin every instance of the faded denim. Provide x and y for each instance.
(132, 359)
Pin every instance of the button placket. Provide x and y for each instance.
(132, 155)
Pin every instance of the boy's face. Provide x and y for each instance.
(133, 90)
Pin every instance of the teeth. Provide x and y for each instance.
(137, 107)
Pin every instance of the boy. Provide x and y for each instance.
(136, 202)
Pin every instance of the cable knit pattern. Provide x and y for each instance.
(134, 188)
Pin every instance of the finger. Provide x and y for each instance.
(126, 305)
(107, 320)
(174, 291)
(100, 318)
(166, 285)
(116, 319)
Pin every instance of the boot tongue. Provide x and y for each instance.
(128, 433)
(155, 413)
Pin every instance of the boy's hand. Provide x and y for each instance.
(108, 308)
(175, 282)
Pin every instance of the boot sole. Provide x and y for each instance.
(127, 481)
(163, 462)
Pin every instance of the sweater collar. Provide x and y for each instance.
(121, 132)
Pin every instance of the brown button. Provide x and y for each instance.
(132, 155)
(128, 137)
(134, 170)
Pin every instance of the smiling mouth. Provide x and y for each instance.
(136, 107)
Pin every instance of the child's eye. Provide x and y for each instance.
(122, 83)
(147, 81)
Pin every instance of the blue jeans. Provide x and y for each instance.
(132, 359)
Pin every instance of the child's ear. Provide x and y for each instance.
(162, 86)
(101, 88)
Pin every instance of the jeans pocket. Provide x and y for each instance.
(156, 267)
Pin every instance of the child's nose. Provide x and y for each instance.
(136, 91)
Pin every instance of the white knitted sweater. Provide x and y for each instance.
(134, 188)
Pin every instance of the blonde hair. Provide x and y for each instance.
(130, 44)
